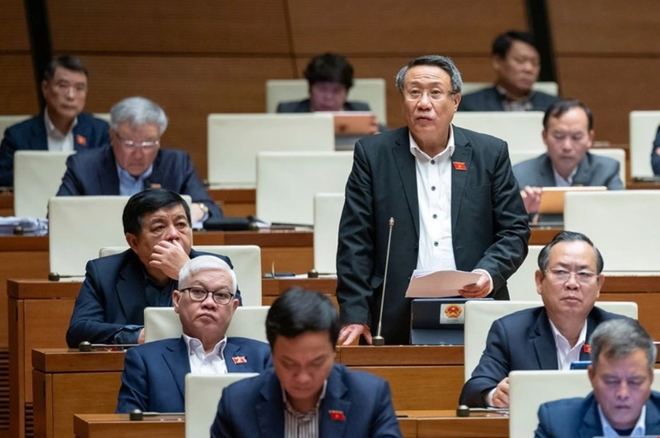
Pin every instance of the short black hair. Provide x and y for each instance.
(561, 107)
(568, 236)
(329, 67)
(502, 43)
(148, 201)
(67, 62)
(298, 311)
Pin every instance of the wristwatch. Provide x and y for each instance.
(204, 208)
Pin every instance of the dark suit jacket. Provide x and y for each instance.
(253, 408)
(111, 297)
(520, 341)
(579, 418)
(489, 99)
(593, 170)
(655, 158)
(94, 173)
(154, 373)
(31, 135)
(489, 224)
(304, 106)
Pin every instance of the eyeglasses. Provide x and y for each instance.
(199, 294)
(130, 144)
(414, 94)
(64, 87)
(562, 275)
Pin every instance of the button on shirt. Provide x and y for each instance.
(302, 424)
(202, 363)
(130, 185)
(58, 141)
(638, 430)
(566, 354)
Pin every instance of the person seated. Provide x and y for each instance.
(655, 154)
(134, 161)
(517, 65)
(568, 134)
(549, 337)
(622, 402)
(305, 391)
(61, 125)
(154, 373)
(110, 306)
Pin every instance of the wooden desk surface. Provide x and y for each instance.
(118, 425)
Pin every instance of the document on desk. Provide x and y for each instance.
(439, 284)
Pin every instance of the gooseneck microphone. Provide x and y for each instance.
(378, 340)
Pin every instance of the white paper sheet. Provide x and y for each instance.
(439, 284)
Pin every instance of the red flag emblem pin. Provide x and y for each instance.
(459, 165)
(587, 348)
(239, 359)
(337, 416)
(82, 141)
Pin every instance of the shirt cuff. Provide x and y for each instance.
(128, 335)
(490, 279)
(489, 397)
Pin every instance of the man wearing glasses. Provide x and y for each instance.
(550, 337)
(134, 161)
(154, 373)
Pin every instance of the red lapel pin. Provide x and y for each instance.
(82, 141)
(587, 348)
(239, 359)
(458, 165)
(337, 415)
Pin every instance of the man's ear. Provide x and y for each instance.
(132, 241)
(176, 298)
(44, 87)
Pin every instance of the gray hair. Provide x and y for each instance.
(443, 62)
(619, 338)
(206, 263)
(138, 111)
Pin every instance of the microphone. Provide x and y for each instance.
(378, 340)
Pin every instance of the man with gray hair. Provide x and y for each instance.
(452, 195)
(622, 403)
(154, 373)
(134, 161)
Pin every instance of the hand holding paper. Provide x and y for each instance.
(440, 284)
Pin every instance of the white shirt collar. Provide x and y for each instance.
(52, 131)
(421, 155)
(560, 181)
(581, 339)
(195, 347)
(638, 430)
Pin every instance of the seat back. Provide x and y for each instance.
(327, 213)
(521, 285)
(521, 130)
(247, 322)
(545, 87)
(288, 181)
(480, 315)
(7, 121)
(247, 266)
(602, 216)
(37, 176)
(203, 394)
(234, 140)
(643, 129)
(371, 91)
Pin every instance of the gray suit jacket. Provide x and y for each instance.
(490, 100)
(593, 170)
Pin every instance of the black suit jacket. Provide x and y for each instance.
(489, 224)
(655, 158)
(31, 135)
(489, 99)
(520, 341)
(94, 173)
(112, 297)
(304, 106)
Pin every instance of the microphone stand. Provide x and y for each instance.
(378, 340)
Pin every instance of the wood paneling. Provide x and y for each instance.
(17, 90)
(13, 27)
(195, 26)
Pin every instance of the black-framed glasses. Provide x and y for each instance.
(199, 294)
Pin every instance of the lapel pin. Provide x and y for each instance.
(82, 141)
(239, 359)
(337, 415)
(458, 165)
(587, 348)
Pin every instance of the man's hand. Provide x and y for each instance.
(351, 332)
(196, 213)
(374, 125)
(479, 289)
(501, 395)
(141, 337)
(531, 197)
(169, 257)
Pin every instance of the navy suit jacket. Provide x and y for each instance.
(154, 373)
(112, 297)
(655, 158)
(31, 135)
(593, 170)
(520, 341)
(488, 219)
(489, 99)
(253, 408)
(304, 106)
(94, 173)
(579, 418)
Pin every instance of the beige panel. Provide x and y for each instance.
(13, 27)
(17, 91)
(401, 27)
(195, 26)
(605, 26)
(611, 87)
(187, 88)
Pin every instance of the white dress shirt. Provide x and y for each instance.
(566, 354)
(58, 141)
(560, 181)
(638, 430)
(202, 363)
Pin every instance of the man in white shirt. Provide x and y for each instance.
(550, 337)
(622, 403)
(154, 373)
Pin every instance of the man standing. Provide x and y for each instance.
(622, 403)
(517, 65)
(61, 126)
(154, 373)
(452, 195)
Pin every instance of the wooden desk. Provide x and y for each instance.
(543, 236)
(118, 425)
(235, 202)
